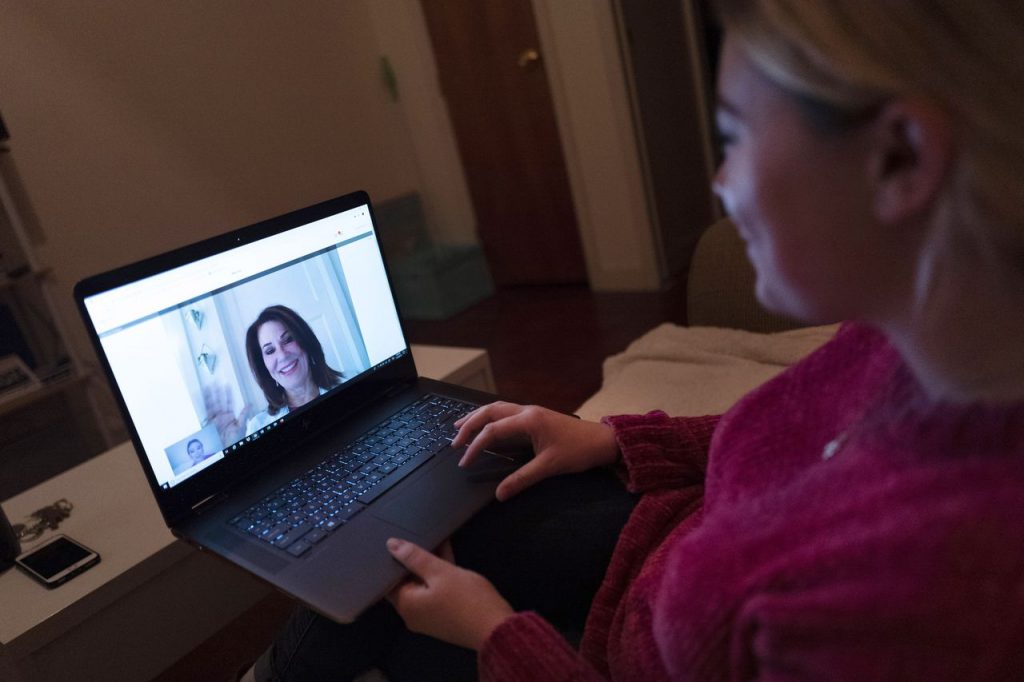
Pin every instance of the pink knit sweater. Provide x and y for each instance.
(841, 527)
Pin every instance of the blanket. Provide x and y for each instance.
(691, 371)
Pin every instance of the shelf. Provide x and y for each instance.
(16, 401)
(7, 282)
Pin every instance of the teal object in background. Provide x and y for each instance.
(431, 281)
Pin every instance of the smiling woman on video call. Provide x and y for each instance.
(859, 517)
(288, 363)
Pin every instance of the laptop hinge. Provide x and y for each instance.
(207, 503)
(392, 390)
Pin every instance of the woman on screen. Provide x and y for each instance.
(196, 451)
(287, 362)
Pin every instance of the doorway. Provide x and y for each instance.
(493, 78)
(667, 54)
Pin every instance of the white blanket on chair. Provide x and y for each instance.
(690, 371)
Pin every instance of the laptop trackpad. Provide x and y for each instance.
(435, 499)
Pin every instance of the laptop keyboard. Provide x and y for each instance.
(305, 510)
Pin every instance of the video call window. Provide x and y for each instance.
(206, 373)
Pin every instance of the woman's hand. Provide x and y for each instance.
(220, 410)
(444, 601)
(562, 444)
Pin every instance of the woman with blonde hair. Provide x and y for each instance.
(859, 517)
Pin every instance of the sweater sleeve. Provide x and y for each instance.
(807, 637)
(526, 648)
(661, 452)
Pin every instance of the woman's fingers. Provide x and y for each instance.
(443, 600)
(522, 478)
(494, 432)
(243, 416)
(218, 400)
(473, 422)
(464, 418)
(225, 400)
(419, 561)
(476, 414)
(220, 411)
(561, 444)
(445, 551)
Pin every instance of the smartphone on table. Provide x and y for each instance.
(57, 560)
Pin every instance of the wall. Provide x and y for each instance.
(401, 30)
(142, 125)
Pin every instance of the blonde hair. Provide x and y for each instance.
(845, 56)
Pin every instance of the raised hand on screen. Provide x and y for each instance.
(220, 410)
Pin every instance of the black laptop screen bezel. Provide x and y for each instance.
(178, 502)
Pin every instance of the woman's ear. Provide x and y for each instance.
(912, 153)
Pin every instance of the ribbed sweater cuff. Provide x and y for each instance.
(526, 648)
(659, 451)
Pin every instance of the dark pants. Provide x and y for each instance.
(546, 550)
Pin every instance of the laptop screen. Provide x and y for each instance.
(211, 355)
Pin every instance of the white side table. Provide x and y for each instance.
(469, 367)
(152, 598)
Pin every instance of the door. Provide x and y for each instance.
(493, 79)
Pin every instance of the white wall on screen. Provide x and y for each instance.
(210, 336)
(152, 385)
(352, 342)
(371, 298)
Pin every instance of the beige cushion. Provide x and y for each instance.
(720, 285)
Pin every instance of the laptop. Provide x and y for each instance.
(266, 381)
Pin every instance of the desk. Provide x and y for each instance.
(152, 598)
